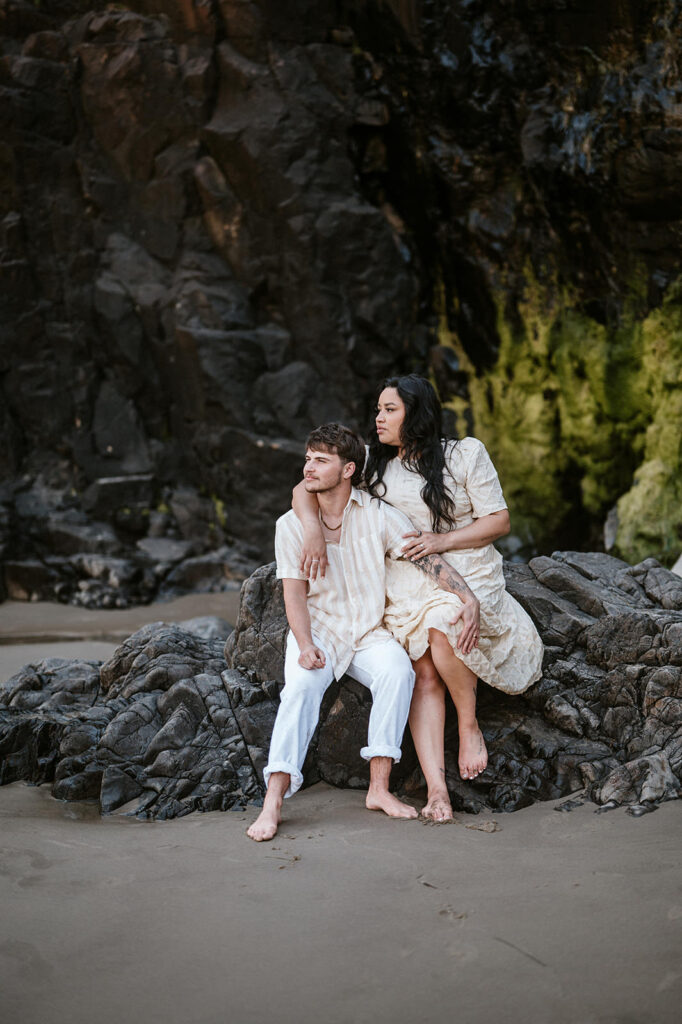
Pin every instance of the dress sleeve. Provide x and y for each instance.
(288, 548)
(482, 482)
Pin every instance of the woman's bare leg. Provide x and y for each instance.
(427, 725)
(461, 682)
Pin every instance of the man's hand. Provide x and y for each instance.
(470, 614)
(420, 544)
(314, 553)
(311, 657)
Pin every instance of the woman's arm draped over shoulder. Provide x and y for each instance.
(314, 554)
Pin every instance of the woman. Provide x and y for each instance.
(450, 492)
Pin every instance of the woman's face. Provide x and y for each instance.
(390, 416)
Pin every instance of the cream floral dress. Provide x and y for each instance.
(509, 655)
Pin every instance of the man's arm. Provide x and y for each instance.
(450, 580)
(298, 617)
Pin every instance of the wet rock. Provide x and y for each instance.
(38, 704)
(116, 492)
(114, 571)
(154, 726)
(116, 788)
(576, 739)
(210, 573)
(31, 580)
(51, 682)
(648, 779)
(661, 585)
(165, 550)
(70, 533)
(257, 646)
(580, 588)
(121, 559)
(208, 627)
(180, 719)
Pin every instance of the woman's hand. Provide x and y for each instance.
(470, 614)
(314, 554)
(420, 544)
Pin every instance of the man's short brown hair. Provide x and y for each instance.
(339, 440)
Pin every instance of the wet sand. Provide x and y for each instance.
(25, 622)
(346, 917)
(31, 631)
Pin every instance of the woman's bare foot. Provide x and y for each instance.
(473, 755)
(382, 800)
(438, 807)
(266, 824)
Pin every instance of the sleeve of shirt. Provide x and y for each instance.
(395, 525)
(287, 551)
(482, 483)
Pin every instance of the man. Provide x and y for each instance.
(335, 624)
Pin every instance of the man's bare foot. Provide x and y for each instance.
(473, 756)
(438, 807)
(382, 800)
(266, 824)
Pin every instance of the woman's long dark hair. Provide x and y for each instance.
(421, 439)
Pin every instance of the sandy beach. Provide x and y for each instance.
(573, 918)
(31, 631)
(532, 917)
(25, 622)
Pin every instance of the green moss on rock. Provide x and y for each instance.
(650, 513)
(577, 414)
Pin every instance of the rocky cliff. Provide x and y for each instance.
(222, 221)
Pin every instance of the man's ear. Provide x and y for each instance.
(348, 470)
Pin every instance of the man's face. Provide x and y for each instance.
(323, 471)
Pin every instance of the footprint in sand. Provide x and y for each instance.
(453, 915)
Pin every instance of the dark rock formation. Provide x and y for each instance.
(222, 221)
(121, 551)
(173, 723)
(153, 726)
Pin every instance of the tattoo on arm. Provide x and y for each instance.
(443, 575)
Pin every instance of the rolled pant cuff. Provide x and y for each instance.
(369, 752)
(295, 777)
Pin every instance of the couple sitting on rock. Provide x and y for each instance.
(367, 592)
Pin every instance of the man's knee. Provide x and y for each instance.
(396, 675)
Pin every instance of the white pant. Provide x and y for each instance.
(384, 668)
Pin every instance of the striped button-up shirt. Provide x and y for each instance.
(347, 606)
